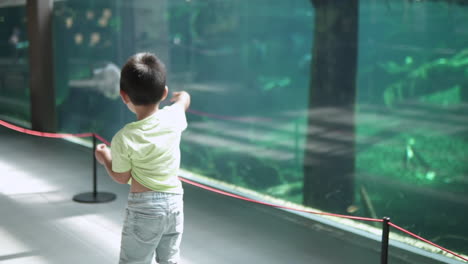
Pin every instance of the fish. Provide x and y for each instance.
(105, 80)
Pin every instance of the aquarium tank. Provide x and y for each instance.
(355, 107)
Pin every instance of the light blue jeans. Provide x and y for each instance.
(154, 224)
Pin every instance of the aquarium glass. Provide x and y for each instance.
(398, 124)
(14, 68)
(412, 116)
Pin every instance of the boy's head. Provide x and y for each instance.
(143, 79)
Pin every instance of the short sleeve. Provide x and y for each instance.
(176, 115)
(120, 156)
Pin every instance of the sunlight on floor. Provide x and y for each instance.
(13, 251)
(94, 230)
(17, 181)
(97, 232)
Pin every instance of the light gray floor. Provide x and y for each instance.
(40, 223)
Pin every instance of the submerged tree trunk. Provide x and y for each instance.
(330, 146)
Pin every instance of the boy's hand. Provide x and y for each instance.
(102, 154)
(181, 98)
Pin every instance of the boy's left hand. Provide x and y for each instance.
(102, 154)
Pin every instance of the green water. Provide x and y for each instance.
(247, 65)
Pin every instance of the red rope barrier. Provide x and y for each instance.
(42, 134)
(50, 135)
(64, 135)
(425, 240)
(102, 139)
(275, 205)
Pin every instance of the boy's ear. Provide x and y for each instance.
(124, 97)
(165, 93)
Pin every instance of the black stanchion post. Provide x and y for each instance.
(94, 167)
(385, 234)
(94, 196)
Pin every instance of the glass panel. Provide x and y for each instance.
(412, 131)
(14, 68)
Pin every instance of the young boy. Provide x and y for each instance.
(146, 154)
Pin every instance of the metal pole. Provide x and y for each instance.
(94, 167)
(94, 196)
(385, 234)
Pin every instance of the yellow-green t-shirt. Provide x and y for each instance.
(150, 149)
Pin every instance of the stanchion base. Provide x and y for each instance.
(90, 197)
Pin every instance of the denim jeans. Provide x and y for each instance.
(153, 224)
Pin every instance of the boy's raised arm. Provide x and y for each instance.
(182, 98)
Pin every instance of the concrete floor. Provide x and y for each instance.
(39, 222)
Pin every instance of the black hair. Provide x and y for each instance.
(143, 79)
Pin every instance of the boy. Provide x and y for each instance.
(146, 154)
